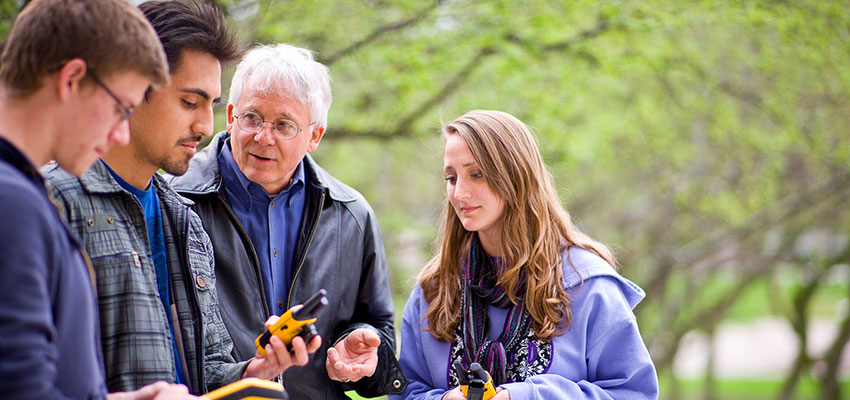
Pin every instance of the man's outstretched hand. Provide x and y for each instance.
(355, 357)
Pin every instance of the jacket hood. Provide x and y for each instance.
(204, 177)
(589, 265)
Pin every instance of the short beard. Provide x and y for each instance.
(174, 167)
(177, 167)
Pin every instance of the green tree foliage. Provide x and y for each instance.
(706, 141)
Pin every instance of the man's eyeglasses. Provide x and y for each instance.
(123, 110)
(252, 122)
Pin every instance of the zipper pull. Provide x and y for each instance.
(136, 259)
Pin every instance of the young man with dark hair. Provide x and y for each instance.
(153, 262)
(72, 73)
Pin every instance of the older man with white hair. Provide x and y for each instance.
(283, 228)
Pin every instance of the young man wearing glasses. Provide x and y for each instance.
(71, 74)
(160, 318)
(283, 228)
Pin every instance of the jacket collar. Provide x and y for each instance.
(98, 180)
(17, 159)
(204, 177)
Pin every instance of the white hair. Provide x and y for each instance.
(288, 71)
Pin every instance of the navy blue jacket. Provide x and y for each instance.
(48, 319)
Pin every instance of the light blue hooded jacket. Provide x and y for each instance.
(600, 356)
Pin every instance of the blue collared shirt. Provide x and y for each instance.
(271, 222)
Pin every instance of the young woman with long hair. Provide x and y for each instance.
(515, 286)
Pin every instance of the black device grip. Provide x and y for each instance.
(462, 374)
(475, 393)
(264, 339)
(312, 306)
(478, 373)
(308, 332)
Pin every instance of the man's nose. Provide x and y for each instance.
(120, 134)
(265, 135)
(204, 124)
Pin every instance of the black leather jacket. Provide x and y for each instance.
(338, 248)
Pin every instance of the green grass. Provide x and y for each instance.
(807, 389)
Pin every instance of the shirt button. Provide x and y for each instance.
(201, 281)
(272, 204)
(275, 252)
(280, 304)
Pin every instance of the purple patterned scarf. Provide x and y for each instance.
(480, 274)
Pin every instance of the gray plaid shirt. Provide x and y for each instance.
(137, 347)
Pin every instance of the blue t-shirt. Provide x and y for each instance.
(149, 200)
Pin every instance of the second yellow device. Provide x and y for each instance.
(475, 383)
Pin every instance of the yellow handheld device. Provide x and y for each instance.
(249, 389)
(297, 321)
(476, 383)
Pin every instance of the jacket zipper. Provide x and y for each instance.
(304, 257)
(254, 257)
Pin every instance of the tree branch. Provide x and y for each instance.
(403, 127)
(694, 252)
(344, 132)
(596, 30)
(799, 321)
(380, 31)
(830, 387)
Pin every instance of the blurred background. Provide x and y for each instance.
(706, 142)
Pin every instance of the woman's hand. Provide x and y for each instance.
(501, 394)
(454, 394)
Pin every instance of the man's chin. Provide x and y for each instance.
(77, 167)
(176, 168)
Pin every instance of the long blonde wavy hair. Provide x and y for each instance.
(535, 229)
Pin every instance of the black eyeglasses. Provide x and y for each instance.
(252, 122)
(123, 110)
